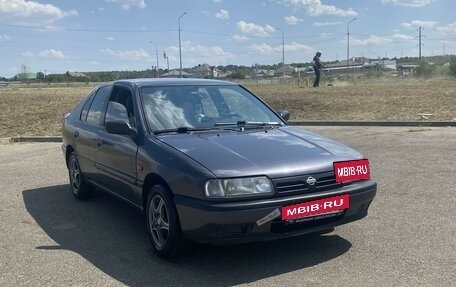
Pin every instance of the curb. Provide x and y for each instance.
(376, 123)
(35, 139)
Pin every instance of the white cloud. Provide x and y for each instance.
(31, 12)
(319, 24)
(194, 53)
(51, 28)
(316, 8)
(27, 54)
(190, 47)
(128, 55)
(223, 14)
(297, 47)
(264, 49)
(268, 50)
(4, 37)
(52, 53)
(127, 4)
(109, 38)
(93, 63)
(418, 23)
(408, 3)
(240, 38)
(449, 29)
(292, 20)
(402, 37)
(371, 40)
(254, 30)
(326, 35)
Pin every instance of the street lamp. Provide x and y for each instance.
(156, 55)
(180, 50)
(283, 54)
(167, 59)
(348, 44)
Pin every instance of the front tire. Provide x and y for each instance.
(163, 225)
(80, 188)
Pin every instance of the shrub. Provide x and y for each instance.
(453, 65)
(424, 69)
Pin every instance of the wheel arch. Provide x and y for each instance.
(151, 180)
(69, 150)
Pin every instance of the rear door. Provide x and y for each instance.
(86, 133)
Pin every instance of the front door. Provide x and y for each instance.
(116, 159)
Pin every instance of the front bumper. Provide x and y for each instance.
(235, 222)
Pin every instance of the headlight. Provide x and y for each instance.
(234, 187)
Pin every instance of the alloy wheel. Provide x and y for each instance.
(159, 220)
(75, 174)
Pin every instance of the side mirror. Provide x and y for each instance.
(284, 114)
(120, 127)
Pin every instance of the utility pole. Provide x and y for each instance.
(180, 50)
(283, 54)
(156, 55)
(166, 58)
(158, 69)
(419, 42)
(348, 44)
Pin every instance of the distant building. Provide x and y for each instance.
(405, 70)
(176, 74)
(285, 69)
(353, 63)
(381, 64)
(76, 74)
(204, 71)
(25, 76)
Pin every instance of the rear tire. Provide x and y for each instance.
(163, 225)
(80, 188)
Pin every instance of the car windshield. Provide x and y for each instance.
(193, 107)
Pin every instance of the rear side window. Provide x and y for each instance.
(99, 102)
(85, 109)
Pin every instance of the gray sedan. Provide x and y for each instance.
(208, 161)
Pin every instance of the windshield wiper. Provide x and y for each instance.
(182, 130)
(248, 124)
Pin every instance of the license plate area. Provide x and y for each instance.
(321, 208)
(353, 170)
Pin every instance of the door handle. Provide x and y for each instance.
(76, 134)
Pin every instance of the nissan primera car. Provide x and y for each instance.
(208, 161)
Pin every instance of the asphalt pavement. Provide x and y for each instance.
(48, 238)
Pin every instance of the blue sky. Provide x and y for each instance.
(98, 35)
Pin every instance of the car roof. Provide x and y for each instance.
(143, 82)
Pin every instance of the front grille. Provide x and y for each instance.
(297, 184)
(293, 186)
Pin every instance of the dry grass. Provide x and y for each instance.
(27, 111)
(397, 99)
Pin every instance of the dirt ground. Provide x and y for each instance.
(38, 110)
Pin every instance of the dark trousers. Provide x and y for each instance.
(317, 78)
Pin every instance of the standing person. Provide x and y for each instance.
(317, 66)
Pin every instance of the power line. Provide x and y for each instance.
(86, 30)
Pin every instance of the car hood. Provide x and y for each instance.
(282, 151)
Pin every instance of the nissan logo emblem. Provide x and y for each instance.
(311, 181)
